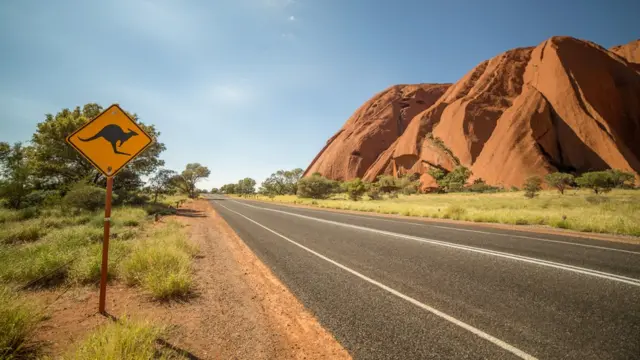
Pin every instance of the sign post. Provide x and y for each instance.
(102, 142)
(105, 247)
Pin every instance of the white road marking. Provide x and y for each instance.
(486, 232)
(552, 264)
(512, 349)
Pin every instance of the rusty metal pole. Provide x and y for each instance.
(105, 247)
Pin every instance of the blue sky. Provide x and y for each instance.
(248, 87)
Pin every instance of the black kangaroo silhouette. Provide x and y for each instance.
(113, 133)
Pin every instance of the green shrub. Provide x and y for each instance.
(387, 184)
(354, 188)
(480, 186)
(316, 186)
(532, 186)
(125, 339)
(408, 185)
(18, 320)
(42, 198)
(373, 192)
(85, 197)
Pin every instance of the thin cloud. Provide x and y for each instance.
(288, 36)
(292, 18)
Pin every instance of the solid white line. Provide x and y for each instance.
(552, 264)
(488, 233)
(428, 308)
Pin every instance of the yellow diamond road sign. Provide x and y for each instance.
(110, 141)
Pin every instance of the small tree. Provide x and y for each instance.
(598, 181)
(316, 186)
(229, 189)
(246, 186)
(355, 188)
(16, 180)
(452, 181)
(621, 179)
(559, 181)
(188, 179)
(215, 191)
(532, 186)
(161, 182)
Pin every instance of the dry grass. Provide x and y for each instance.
(17, 322)
(617, 212)
(161, 263)
(125, 339)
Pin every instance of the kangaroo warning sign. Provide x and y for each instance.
(110, 141)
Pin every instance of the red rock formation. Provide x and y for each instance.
(566, 105)
(630, 52)
(372, 129)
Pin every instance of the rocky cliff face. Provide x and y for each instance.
(372, 129)
(565, 105)
(630, 52)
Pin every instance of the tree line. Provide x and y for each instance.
(46, 170)
(317, 186)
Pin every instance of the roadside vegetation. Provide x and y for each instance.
(601, 201)
(51, 232)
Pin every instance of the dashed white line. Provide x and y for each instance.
(552, 264)
(512, 349)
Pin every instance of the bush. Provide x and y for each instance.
(85, 197)
(354, 188)
(559, 180)
(514, 188)
(17, 322)
(373, 192)
(480, 186)
(532, 186)
(316, 186)
(409, 185)
(453, 181)
(387, 184)
(42, 198)
(124, 339)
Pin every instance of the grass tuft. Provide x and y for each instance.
(125, 339)
(161, 264)
(17, 323)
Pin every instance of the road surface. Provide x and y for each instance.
(406, 289)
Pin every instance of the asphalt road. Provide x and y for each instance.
(406, 289)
